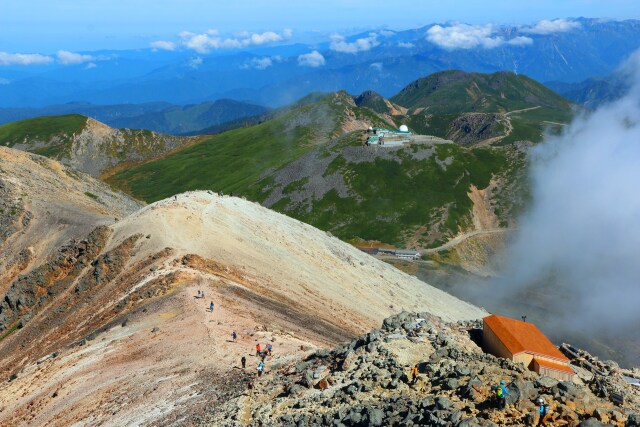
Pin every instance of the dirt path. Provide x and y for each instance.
(461, 238)
(522, 110)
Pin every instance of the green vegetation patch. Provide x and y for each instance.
(10, 330)
(56, 131)
(390, 197)
(231, 162)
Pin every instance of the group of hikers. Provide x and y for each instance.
(262, 353)
(500, 393)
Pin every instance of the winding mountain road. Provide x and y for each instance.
(461, 238)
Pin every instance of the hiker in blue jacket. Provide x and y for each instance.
(543, 410)
(501, 394)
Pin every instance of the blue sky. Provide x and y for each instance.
(47, 26)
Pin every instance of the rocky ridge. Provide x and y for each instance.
(110, 326)
(86, 144)
(367, 383)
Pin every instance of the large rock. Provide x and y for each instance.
(591, 422)
(521, 390)
(633, 421)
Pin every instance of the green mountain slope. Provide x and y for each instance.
(86, 144)
(455, 91)
(488, 109)
(309, 162)
(376, 102)
(236, 160)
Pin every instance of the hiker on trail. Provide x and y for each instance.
(243, 361)
(414, 374)
(543, 410)
(263, 354)
(501, 394)
(234, 336)
(211, 307)
(260, 368)
(250, 387)
(269, 348)
(257, 349)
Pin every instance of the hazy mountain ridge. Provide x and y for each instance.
(159, 117)
(593, 48)
(593, 92)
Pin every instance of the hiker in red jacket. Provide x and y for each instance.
(257, 349)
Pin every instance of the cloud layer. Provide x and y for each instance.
(163, 45)
(24, 59)
(339, 43)
(70, 58)
(262, 63)
(212, 40)
(313, 59)
(582, 233)
(464, 36)
(548, 27)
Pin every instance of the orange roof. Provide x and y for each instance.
(556, 366)
(522, 337)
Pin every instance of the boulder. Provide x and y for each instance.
(633, 421)
(450, 384)
(443, 403)
(546, 382)
(591, 422)
(375, 416)
(521, 390)
(469, 422)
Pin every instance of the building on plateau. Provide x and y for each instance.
(389, 137)
(524, 343)
(407, 254)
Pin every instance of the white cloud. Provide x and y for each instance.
(520, 41)
(24, 59)
(386, 33)
(407, 45)
(195, 62)
(464, 36)
(377, 66)
(163, 45)
(339, 44)
(548, 27)
(211, 40)
(70, 58)
(261, 63)
(90, 65)
(313, 59)
(582, 229)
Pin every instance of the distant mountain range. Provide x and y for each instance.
(159, 116)
(594, 92)
(275, 76)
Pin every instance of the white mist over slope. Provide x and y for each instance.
(583, 229)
